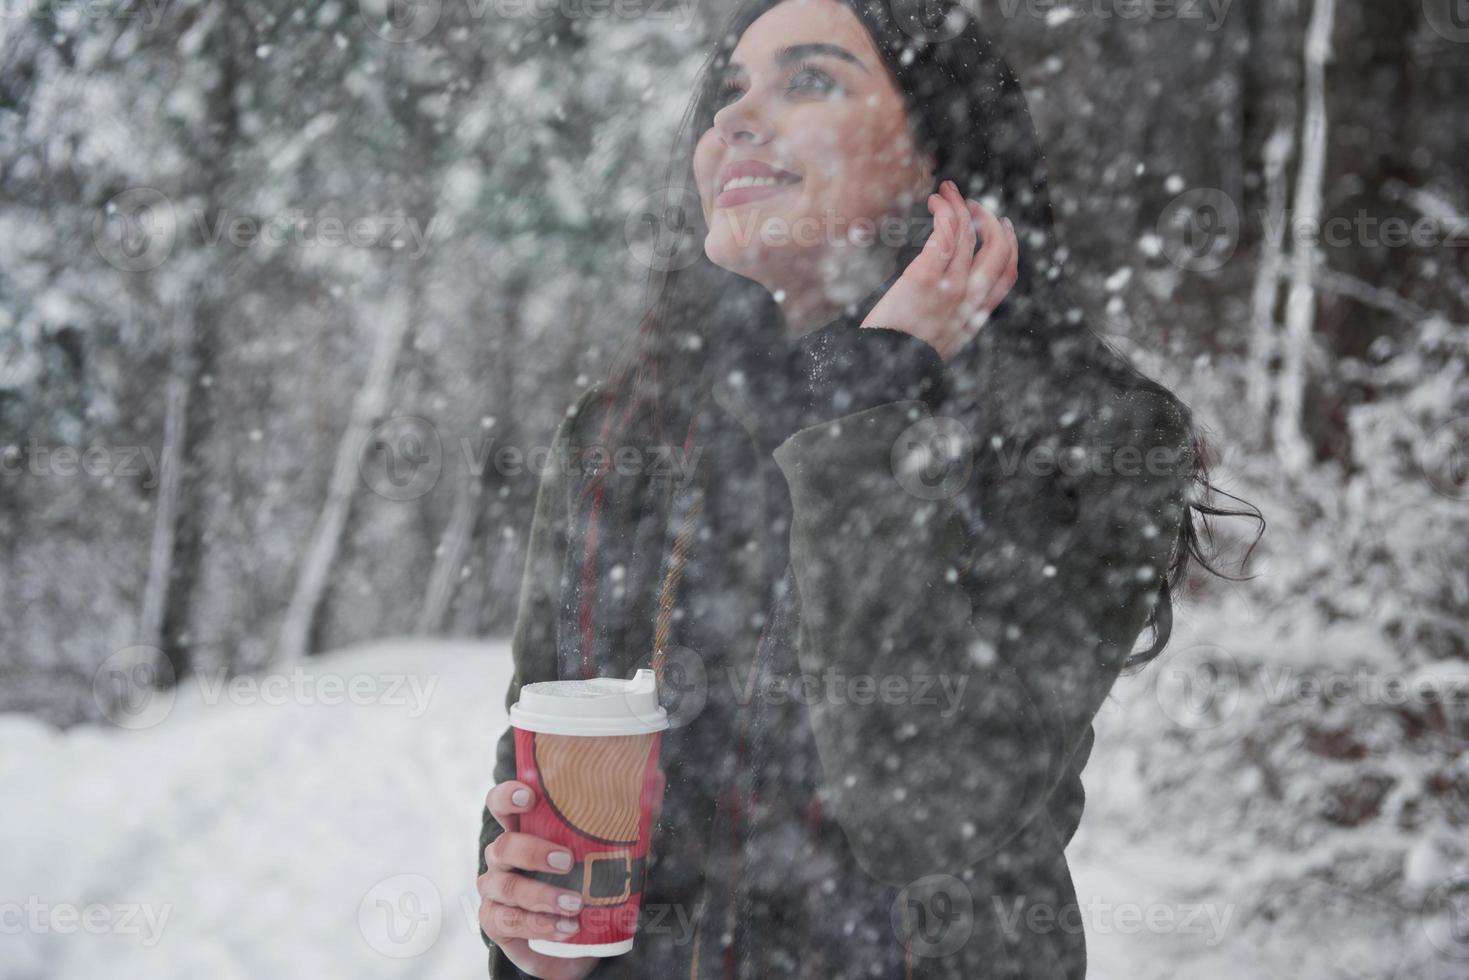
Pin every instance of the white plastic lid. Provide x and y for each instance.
(595, 706)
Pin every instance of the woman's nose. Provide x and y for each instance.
(744, 120)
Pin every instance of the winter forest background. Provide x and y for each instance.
(279, 280)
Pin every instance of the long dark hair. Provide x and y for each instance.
(966, 109)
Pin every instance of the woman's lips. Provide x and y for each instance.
(744, 195)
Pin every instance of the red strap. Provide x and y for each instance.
(588, 618)
(589, 584)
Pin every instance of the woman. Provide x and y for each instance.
(929, 517)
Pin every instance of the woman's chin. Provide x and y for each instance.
(750, 256)
(747, 259)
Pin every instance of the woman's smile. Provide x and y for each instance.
(743, 190)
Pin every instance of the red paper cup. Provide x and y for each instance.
(589, 749)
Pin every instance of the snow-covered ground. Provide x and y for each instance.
(294, 831)
(300, 829)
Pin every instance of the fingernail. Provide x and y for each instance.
(569, 902)
(560, 860)
(1009, 224)
(567, 925)
(520, 797)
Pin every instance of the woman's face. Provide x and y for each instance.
(805, 93)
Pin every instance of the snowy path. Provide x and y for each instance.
(320, 840)
(258, 830)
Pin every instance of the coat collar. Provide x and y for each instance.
(760, 378)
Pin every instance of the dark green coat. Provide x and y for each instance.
(877, 810)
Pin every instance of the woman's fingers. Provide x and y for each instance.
(957, 272)
(1013, 271)
(1007, 280)
(933, 259)
(527, 852)
(991, 263)
(508, 800)
(995, 253)
(990, 278)
(514, 907)
(946, 294)
(511, 922)
(523, 891)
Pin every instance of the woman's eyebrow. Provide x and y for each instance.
(796, 52)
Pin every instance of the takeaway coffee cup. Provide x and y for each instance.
(589, 749)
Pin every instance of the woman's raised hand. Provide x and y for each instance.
(948, 291)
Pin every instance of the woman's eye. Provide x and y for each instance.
(809, 77)
(726, 92)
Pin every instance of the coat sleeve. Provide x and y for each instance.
(533, 643)
(992, 617)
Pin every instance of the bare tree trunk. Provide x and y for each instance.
(322, 551)
(464, 526)
(451, 552)
(1300, 314)
(171, 462)
(1267, 281)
